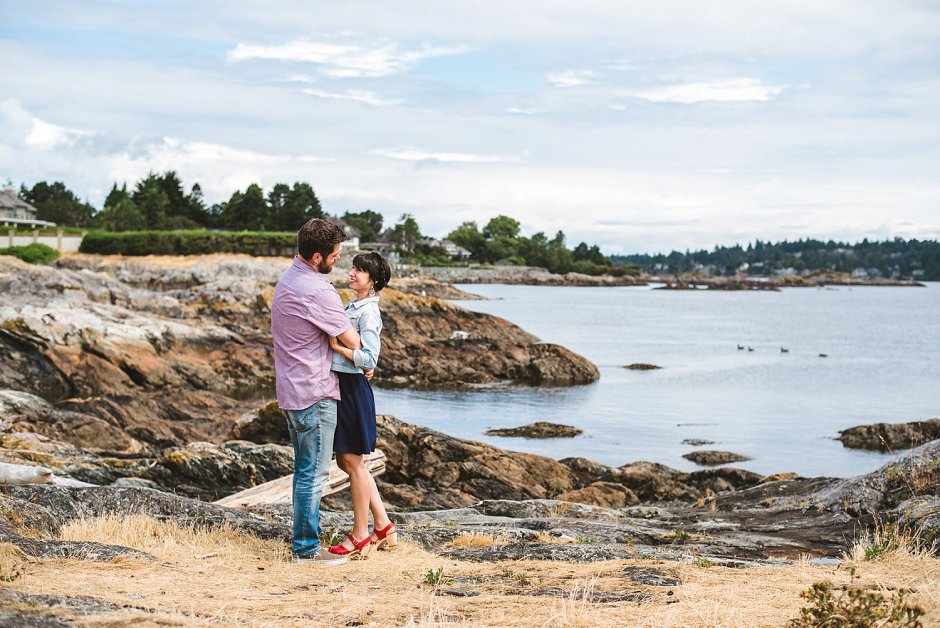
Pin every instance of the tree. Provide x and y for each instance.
(123, 216)
(469, 237)
(291, 207)
(406, 233)
(152, 201)
(246, 211)
(116, 195)
(501, 227)
(368, 223)
(56, 203)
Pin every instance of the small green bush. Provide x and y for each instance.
(437, 578)
(34, 253)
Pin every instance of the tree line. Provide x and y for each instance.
(918, 259)
(160, 202)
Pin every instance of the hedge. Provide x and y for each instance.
(260, 244)
(32, 253)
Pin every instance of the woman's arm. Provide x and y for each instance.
(370, 326)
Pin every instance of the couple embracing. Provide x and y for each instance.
(324, 355)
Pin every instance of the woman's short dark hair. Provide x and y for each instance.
(318, 236)
(377, 267)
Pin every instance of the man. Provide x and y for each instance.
(305, 312)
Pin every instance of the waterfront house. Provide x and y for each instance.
(15, 212)
(352, 234)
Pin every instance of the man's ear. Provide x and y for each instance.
(316, 259)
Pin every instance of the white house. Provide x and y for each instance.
(15, 212)
(352, 234)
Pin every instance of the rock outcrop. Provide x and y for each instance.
(130, 356)
(891, 436)
(427, 468)
(712, 458)
(539, 429)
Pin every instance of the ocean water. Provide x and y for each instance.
(783, 410)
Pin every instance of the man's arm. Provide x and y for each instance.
(350, 339)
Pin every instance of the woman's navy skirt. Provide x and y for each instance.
(355, 416)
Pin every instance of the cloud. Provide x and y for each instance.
(345, 60)
(572, 78)
(534, 111)
(354, 94)
(416, 154)
(20, 128)
(728, 90)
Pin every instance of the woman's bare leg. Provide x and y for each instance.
(360, 486)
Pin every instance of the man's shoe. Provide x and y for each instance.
(322, 557)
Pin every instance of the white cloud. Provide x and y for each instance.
(19, 127)
(354, 94)
(572, 78)
(416, 154)
(728, 90)
(345, 60)
(534, 111)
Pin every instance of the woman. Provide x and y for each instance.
(355, 420)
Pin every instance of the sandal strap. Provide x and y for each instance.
(384, 532)
(359, 544)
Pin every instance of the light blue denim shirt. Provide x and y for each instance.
(367, 320)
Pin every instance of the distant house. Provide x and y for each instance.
(454, 251)
(352, 234)
(15, 212)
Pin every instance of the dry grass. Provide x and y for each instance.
(227, 578)
(12, 562)
(887, 539)
(475, 539)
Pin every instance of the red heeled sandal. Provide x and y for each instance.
(388, 535)
(360, 548)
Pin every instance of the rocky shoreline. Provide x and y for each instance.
(140, 377)
(535, 276)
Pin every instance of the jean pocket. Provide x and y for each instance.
(302, 420)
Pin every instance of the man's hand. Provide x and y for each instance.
(334, 343)
(369, 373)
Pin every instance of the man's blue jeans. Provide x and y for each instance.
(311, 434)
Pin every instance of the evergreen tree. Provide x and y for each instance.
(56, 203)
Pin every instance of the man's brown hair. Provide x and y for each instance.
(318, 236)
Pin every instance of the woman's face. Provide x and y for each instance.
(359, 279)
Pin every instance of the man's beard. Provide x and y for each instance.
(324, 267)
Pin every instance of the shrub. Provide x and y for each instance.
(34, 253)
(260, 244)
(436, 577)
(854, 607)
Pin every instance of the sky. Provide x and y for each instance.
(640, 126)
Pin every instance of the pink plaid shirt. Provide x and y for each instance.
(306, 310)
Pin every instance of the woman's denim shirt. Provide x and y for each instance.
(367, 320)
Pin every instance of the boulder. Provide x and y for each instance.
(607, 494)
(267, 424)
(539, 429)
(713, 458)
(891, 436)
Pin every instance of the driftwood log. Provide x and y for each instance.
(23, 474)
(279, 491)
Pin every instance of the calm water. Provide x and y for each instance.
(781, 409)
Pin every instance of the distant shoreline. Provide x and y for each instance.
(535, 276)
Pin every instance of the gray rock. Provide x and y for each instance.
(96, 552)
(653, 576)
